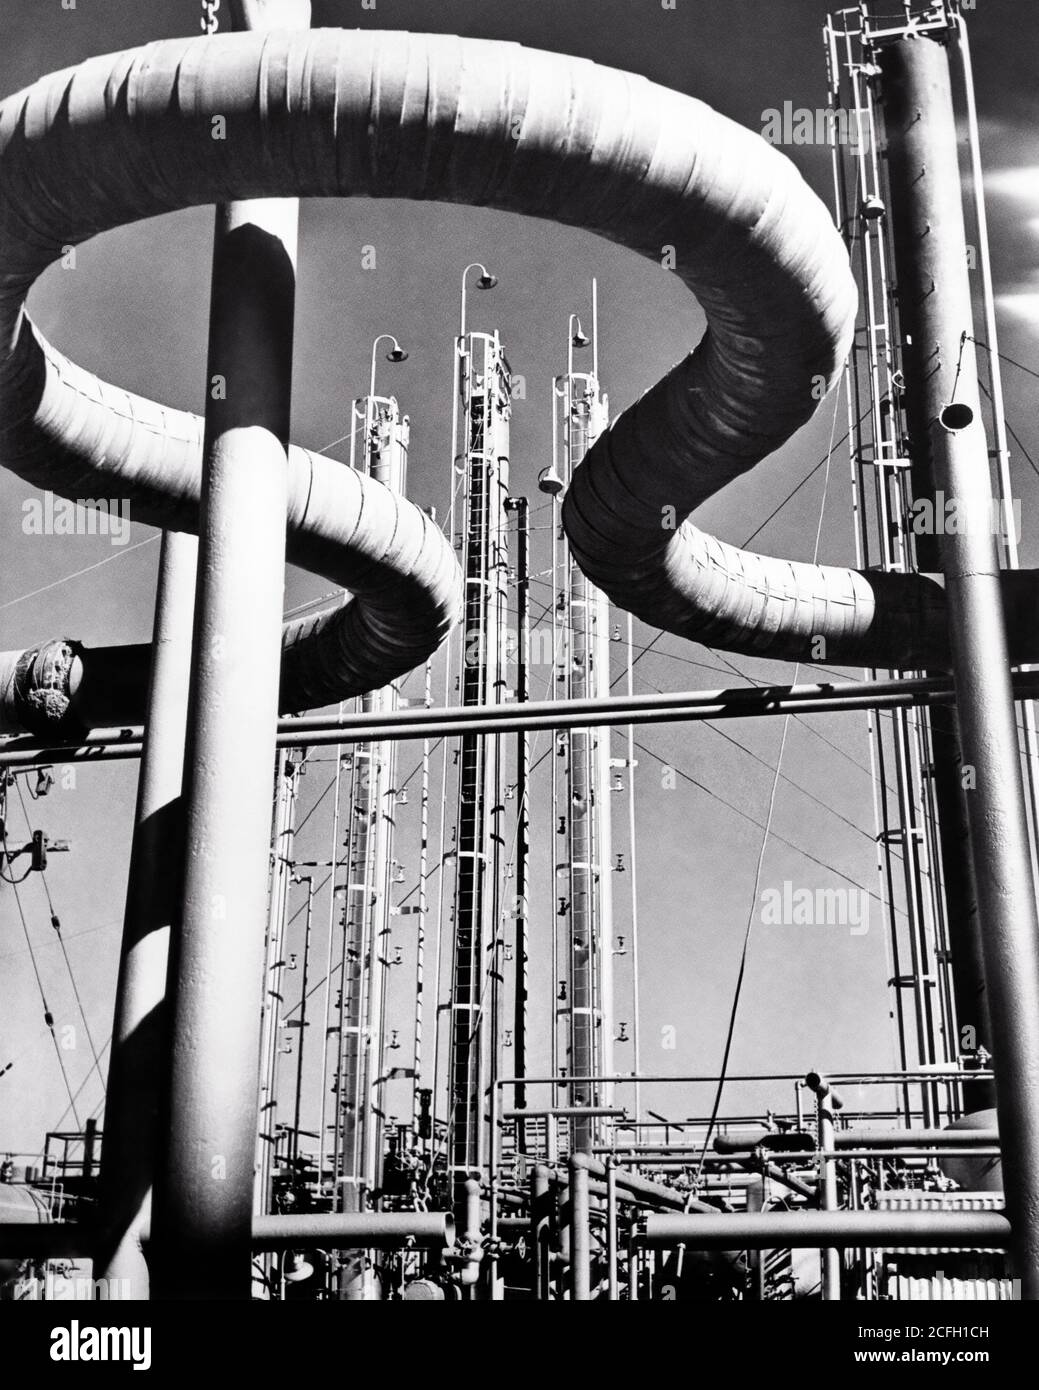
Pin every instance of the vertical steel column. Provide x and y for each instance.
(934, 284)
(386, 460)
(385, 441)
(486, 396)
(204, 1188)
(139, 1032)
(520, 506)
(587, 816)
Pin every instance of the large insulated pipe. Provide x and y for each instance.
(686, 706)
(952, 454)
(204, 1183)
(140, 1036)
(130, 135)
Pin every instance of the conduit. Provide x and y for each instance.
(328, 113)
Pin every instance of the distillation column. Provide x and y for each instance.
(486, 407)
(369, 847)
(585, 906)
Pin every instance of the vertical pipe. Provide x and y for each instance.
(580, 1231)
(326, 1026)
(826, 1102)
(204, 1186)
(931, 256)
(539, 1186)
(304, 982)
(999, 829)
(611, 1230)
(633, 871)
(755, 1197)
(138, 1033)
(423, 910)
(996, 379)
(472, 1236)
(286, 785)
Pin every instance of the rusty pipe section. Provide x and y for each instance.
(328, 113)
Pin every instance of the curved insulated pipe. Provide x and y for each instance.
(328, 113)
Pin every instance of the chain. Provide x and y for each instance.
(209, 21)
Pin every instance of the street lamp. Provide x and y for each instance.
(578, 339)
(487, 281)
(395, 354)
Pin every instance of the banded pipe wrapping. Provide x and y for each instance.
(328, 113)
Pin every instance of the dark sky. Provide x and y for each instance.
(135, 311)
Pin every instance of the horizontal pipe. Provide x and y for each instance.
(374, 1230)
(104, 744)
(916, 1138)
(366, 1230)
(565, 1112)
(649, 1191)
(805, 1156)
(920, 1074)
(841, 1229)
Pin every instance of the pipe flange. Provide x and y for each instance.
(42, 687)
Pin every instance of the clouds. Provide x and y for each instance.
(1012, 194)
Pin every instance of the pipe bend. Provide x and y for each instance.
(330, 113)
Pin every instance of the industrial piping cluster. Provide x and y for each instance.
(323, 113)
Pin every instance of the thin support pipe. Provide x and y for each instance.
(139, 1034)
